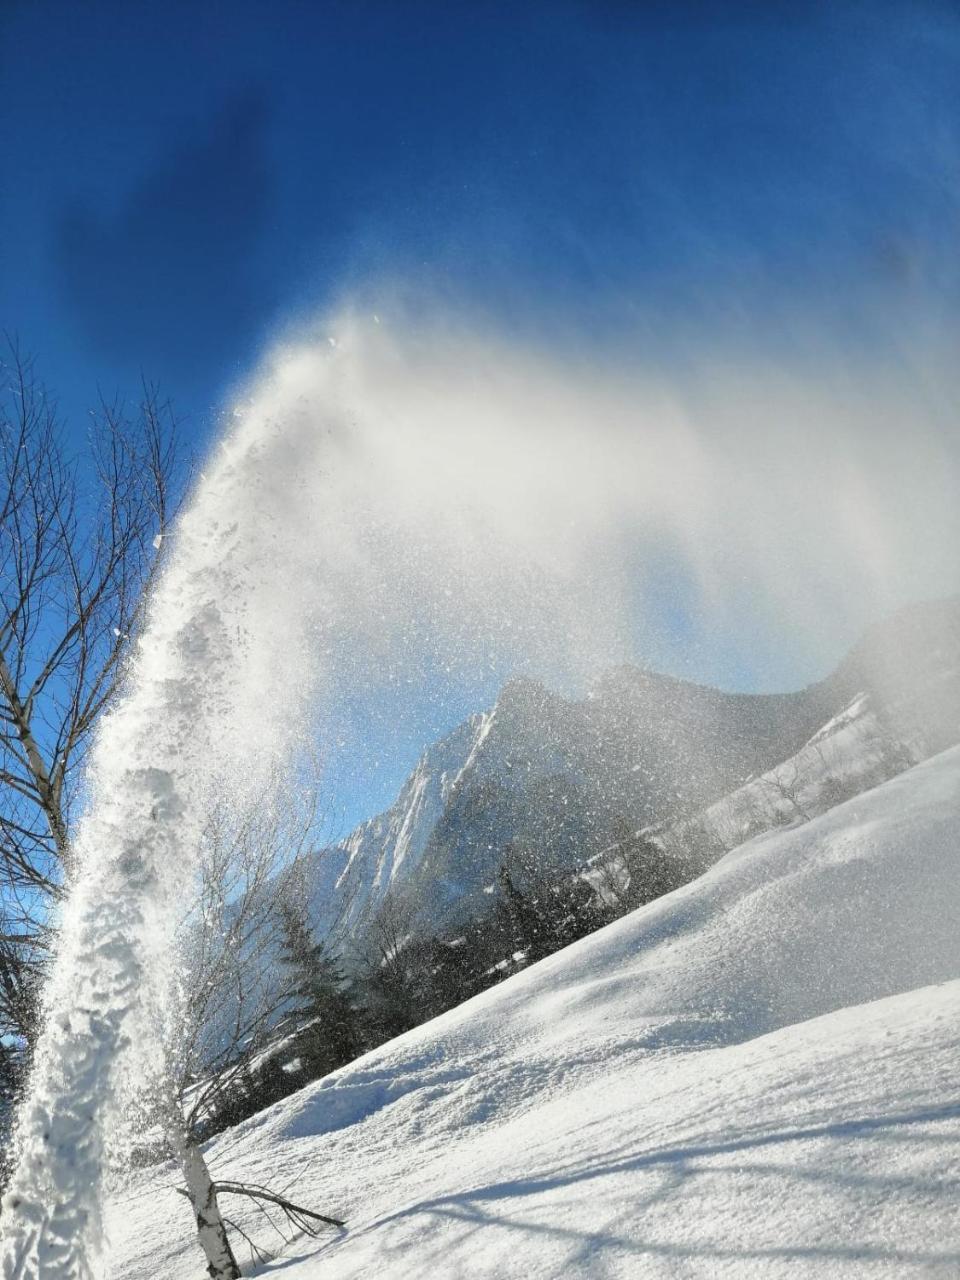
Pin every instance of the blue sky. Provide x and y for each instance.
(184, 181)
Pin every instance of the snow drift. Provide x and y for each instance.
(753, 1076)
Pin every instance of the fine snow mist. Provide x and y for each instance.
(491, 507)
(395, 514)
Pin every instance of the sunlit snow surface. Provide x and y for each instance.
(757, 1076)
(382, 510)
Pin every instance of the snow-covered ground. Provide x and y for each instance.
(756, 1076)
(852, 752)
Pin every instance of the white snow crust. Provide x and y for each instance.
(755, 1076)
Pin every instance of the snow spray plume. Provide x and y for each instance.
(501, 509)
(395, 510)
(213, 699)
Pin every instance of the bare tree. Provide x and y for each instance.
(231, 941)
(786, 782)
(235, 993)
(80, 533)
(636, 869)
(78, 543)
(392, 961)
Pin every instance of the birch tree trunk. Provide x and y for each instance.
(202, 1194)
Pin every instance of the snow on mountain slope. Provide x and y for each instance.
(853, 751)
(755, 1076)
(558, 777)
(351, 879)
(543, 772)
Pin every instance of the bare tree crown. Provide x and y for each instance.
(79, 534)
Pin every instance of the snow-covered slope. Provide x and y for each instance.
(854, 751)
(755, 1076)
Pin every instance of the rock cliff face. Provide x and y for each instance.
(543, 776)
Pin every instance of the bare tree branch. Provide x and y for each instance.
(78, 549)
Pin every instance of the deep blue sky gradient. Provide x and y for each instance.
(181, 181)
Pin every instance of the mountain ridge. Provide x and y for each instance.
(551, 777)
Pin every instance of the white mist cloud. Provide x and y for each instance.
(414, 510)
(489, 505)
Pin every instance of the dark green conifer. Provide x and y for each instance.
(327, 1030)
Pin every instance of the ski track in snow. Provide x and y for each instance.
(756, 1076)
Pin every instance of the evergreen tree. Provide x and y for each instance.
(397, 989)
(649, 872)
(456, 969)
(549, 914)
(328, 1023)
(523, 926)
